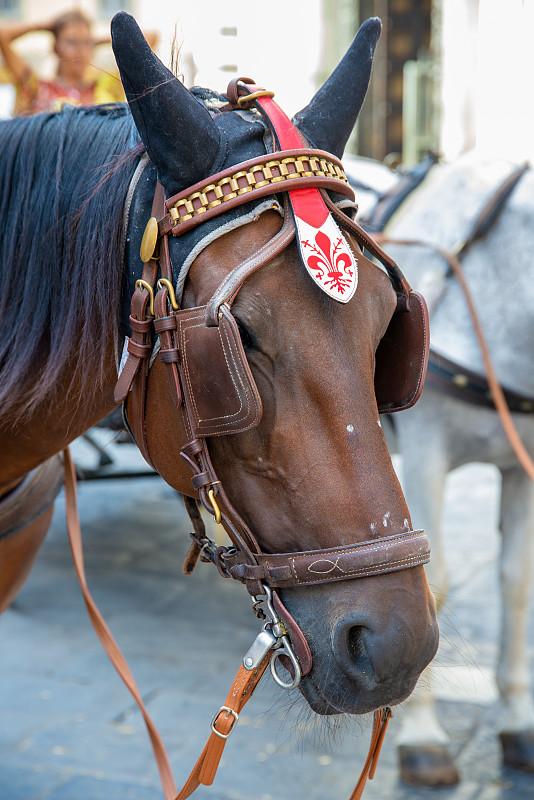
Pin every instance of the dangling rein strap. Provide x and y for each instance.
(101, 629)
(225, 719)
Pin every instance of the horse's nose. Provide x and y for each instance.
(373, 654)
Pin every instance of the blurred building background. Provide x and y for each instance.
(449, 75)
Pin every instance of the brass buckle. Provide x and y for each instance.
(170, 288)
(145, 285)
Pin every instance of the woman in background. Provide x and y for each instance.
(74, 47)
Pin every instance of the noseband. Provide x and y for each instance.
(213, 388)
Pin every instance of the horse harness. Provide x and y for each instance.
(213, 389)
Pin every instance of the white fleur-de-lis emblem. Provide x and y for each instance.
(328, 258)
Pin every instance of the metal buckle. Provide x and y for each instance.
(234, 722)
(207, 548)
(165, 282)
(150, 289)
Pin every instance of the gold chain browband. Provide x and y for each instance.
(256, 178)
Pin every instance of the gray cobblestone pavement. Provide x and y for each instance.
(69, 731)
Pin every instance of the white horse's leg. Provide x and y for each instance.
(424, 757)
(516, 721)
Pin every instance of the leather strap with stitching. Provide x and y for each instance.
(372, 557)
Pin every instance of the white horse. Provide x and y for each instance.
(441, 433)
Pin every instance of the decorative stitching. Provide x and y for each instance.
(367, 546)
(237, 686)
(366, 571)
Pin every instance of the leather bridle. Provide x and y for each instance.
(154, 308)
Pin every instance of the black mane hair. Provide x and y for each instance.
(63, 180)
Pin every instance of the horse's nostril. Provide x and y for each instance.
(356, 648)
(351, 650)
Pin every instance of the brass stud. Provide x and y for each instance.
(150, 240)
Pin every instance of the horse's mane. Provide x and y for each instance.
(63, 181)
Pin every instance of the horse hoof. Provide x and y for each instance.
(518, 750)
(429, 765)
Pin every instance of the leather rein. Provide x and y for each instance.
(155, 310)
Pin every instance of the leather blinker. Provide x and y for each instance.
(402, 356)
(219, 390)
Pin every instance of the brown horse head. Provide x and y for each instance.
(314, 472)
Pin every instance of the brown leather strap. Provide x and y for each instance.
(458, 381)
(102, 631)
(496, 390)
(223, 724)
(360, 560)
(197, 455)
(169, 354)
(228, 289)
(380, 723)
(297, 638)
(140, 344)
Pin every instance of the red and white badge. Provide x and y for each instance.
(325, 252)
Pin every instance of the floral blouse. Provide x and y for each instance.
(35, 95)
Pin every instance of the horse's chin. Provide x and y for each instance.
(347, 703)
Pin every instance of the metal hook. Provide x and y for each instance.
(286, 650)
(282, 645)
(215, 507)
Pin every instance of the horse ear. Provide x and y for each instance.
(330, 117)
(181, 139)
